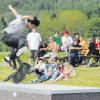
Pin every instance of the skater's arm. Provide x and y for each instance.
(16, 13)
(13, 10)
(27, 17)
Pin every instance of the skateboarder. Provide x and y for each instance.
(12, 35)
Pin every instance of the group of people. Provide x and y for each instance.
(76, 48)
(52, 70)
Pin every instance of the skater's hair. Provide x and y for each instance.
(34, 21)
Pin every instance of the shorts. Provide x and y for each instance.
(51, 55)
(34, 54)
(14, 40)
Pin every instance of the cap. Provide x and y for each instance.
(66, 33)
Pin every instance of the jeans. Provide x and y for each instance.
(43, 77)
(55, 74)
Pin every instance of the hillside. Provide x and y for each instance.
(81, 16)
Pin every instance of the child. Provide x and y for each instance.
(53, 69)
(67, 73)
(41, 71)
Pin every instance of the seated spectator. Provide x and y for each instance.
(74, 54)
(41, 71)
(42, 52)
(61, 66)
(91, 48)
(53, 47)
(66, 42)
(53, 69)
(67, 73)
(84, 47)
(57, 39)
(76, 37)
(97, 42)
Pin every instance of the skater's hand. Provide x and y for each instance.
(10, 7)
(31, 17)
(13, 10)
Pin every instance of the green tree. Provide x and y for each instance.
(94, 25)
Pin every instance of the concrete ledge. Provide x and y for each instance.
(47, 92)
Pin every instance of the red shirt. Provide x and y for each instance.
(97, 45)
(61, 69)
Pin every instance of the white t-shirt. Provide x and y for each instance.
(34, 40)
(43, 67)
(67, 41)
(16, 26)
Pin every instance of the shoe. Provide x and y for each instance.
(7, 60)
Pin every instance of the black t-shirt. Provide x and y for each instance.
(92, 48)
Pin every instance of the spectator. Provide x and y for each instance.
(67, 73)
(84, 47)
(53, 47)
(42, 52)
(53, 67)
(97, 42)
(66, 42)
(91, 48)
(74, 54)
(57, 39)
(41, 71)
(33, 40)
(61, 66)
(76, 37)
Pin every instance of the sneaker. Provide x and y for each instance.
(7, 60)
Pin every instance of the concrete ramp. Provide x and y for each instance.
(10, 91)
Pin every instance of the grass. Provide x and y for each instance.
(86, 76)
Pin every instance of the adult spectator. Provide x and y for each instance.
(74, 54)
(66, 42)
(97, 42)
(76, 37)
(84, 47)
(33, 40)
(57, 39)
(53, 47)
(91, 49)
